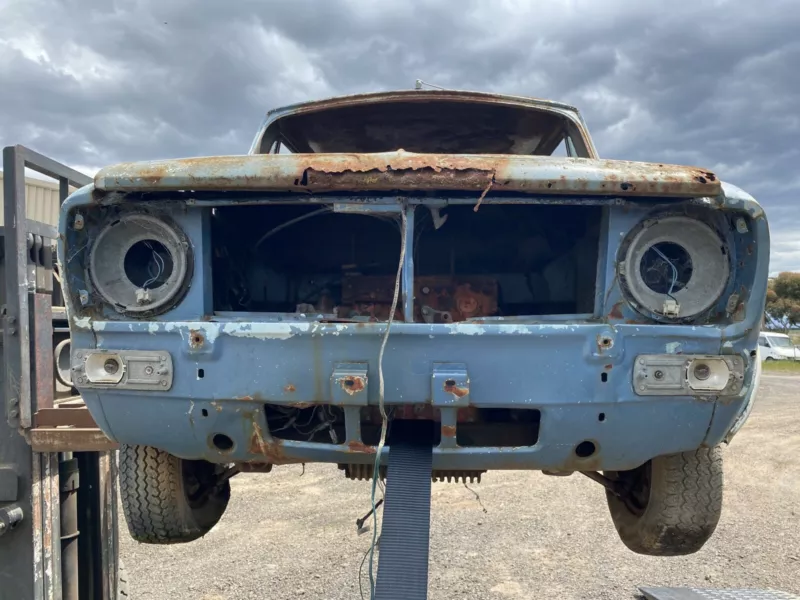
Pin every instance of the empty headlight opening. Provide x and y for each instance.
(673, 267)
(140, 264)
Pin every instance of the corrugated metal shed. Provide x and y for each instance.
(42, 200)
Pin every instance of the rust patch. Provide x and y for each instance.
(407, 170)
(289, 388)
(448, 431)
(196, 339)
(244, 398)
(352, 384)
(609, 367)
(273, 451)
(616, 311)
(359, 447)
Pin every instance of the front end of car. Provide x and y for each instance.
(550, 324)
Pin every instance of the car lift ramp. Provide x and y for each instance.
(58, 490)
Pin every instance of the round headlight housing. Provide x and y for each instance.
(140, 264)
(674, 267)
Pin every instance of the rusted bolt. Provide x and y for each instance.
(111, 366)
(659, 375)
(78, 223)
(741, 225)
(702, 371)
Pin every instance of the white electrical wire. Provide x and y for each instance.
(381, 400)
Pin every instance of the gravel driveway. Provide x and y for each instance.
(291, 536)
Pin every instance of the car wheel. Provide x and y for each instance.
(670, 506)
(769, 358)
(168, 500)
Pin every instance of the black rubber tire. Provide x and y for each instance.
(160, 497)
(123, 585)
(680, 502)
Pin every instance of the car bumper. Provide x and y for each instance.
(579, 376)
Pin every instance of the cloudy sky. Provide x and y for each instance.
(710, 83)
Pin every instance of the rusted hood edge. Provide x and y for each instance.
(409, 171)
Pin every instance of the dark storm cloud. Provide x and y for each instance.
(706, 83)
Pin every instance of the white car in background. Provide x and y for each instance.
(777, 346)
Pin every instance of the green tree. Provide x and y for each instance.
(783, 299)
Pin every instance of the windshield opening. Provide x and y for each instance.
(440, 127)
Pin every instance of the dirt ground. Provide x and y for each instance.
(291, 536)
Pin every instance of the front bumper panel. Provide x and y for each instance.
(224, 373)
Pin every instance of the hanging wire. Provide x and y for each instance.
(159, 261)
(382, 400)
(674, 271)
(288, 223)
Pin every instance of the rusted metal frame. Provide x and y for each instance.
(64, 439)
(107, 512)
(570, 113)
(69, 417)
(46, 525)
(389, 171)
(408, 266)
(16, 333)
(16, 330)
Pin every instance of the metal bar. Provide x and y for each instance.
(51, 527)
(42, 327)
(89, 577)
(408, 268)
(108, 523)
(70, 439)
(60, 417)
(37, 515)
(68, 494)
(47, 166)
(16, 334)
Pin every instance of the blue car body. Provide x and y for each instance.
(578, 372)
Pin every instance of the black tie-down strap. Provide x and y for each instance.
(406, 530)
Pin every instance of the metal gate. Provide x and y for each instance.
(58, 503)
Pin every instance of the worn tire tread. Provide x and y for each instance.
(153, 502)
(683, 509)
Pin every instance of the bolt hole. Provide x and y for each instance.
(753, 354)
(201, 373)
(197, 340)
(222, 442)
(585, 449)
(605, 342)
(349, 383)
(450, 383)
(603, 377)
(204, 412)
(601, 417)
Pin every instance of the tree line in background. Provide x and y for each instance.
(783, 302)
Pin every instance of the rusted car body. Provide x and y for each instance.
(232, 309)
